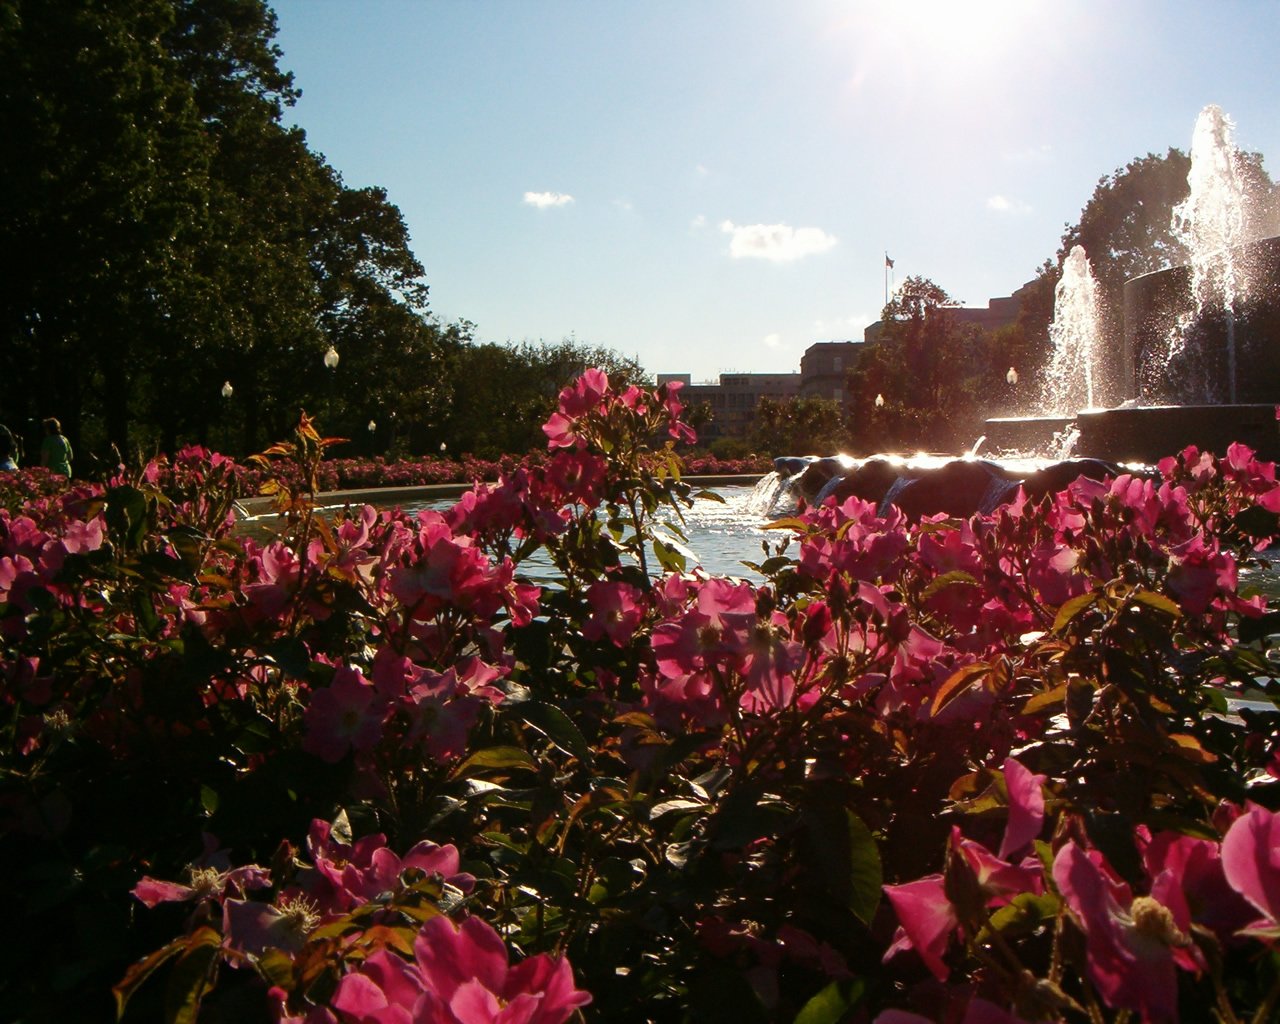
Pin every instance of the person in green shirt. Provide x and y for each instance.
(55, 450)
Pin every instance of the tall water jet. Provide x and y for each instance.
(1211, 224)
(1076, 335)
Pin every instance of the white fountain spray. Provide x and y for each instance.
(1210, 222)
(1075, 334)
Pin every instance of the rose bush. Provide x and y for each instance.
(369, 770)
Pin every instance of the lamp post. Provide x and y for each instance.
(373, 436)
(330, 364)
(227, 391)
(879, 401)
(1012, 379)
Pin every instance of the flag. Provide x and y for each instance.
(888, 262)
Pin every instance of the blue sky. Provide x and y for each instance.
(712, 185)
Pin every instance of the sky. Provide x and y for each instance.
(713, 185)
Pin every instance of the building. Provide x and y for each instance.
(733, 399)
(824, 369)
(998, 312)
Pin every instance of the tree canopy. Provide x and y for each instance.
(165, 232)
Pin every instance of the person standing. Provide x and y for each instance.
(8, 450)
(55, 450)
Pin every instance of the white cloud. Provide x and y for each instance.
(542, 200)
(702, 170)
(777, 242)
(1003, 204)
(698, 222)
(773, 340)
(624, 205)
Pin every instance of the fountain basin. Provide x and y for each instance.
(1023, 433)
(1149, 433)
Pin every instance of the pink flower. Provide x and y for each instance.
(576, 401)
(926, 920)
(1251, 862)
(461, 975)
(1026, 807)
(1133, 944)
(347, 876)
(616, 610)
(1197, 865)
(207, 883)
(343, 716)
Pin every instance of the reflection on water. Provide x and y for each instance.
(720, 534)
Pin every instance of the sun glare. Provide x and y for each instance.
(939, 33)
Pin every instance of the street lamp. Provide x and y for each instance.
(443, 448)
(331, 364)
(1011, 376)
(226, 392)
(879, 401)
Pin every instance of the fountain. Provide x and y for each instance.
(1200, 366)
(1201, 360)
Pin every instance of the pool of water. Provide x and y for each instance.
(721, 534)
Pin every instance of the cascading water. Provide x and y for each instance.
(1211, 223)
(1069, 379)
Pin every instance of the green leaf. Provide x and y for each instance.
(1256, 521)
(842, 852)
(141, 971)
(667, 806)
(494, 757)
(1251, 630)
(1157, 601)
(556, 726)
(866, 871)
(192, 977)
(956, 577)
(831, 1004)
(957, 683)
(209, 800)
(1074, 607)
(669, 556)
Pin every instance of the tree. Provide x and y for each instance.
(924, 364)
(164, 231)
(529, 377)
(798, 426)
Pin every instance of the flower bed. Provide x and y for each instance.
(341, 474)
(958, 770)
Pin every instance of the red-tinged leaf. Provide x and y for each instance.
(787, 523)
(1189, 747)
(637, 718)
(398, 938)
(958, 682)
